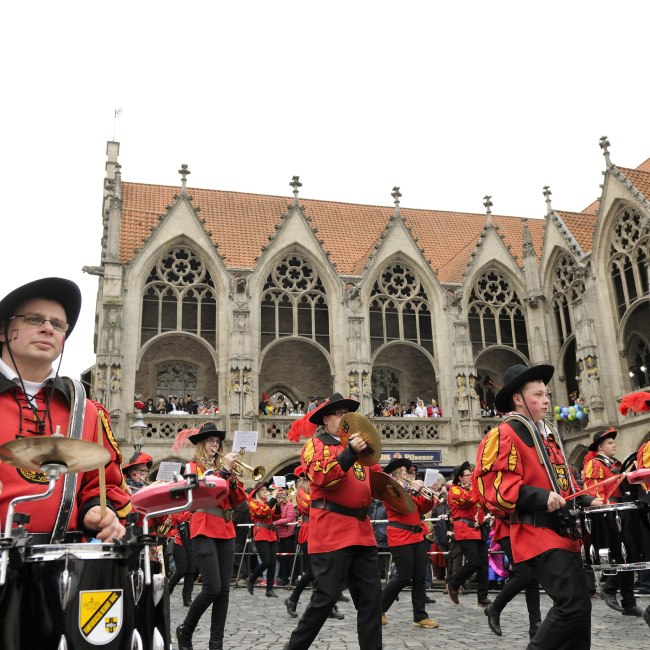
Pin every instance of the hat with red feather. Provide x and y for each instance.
(637, 402)
(304, 427)
(206, 430)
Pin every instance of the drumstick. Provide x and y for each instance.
(611, 479)
(102, 473)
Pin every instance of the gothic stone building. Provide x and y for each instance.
(231, 296)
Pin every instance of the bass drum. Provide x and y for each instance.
(153, 612)
(81, 596)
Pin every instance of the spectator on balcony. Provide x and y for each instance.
(190, 405)
(433, 410)
(180, 405)
(420, 409)
(149, 406)
(280, 405)
(171, 404)
(161, 405)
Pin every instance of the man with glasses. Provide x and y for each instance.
(35, 321)
(342, 546)
(136, 471)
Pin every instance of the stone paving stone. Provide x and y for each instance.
(260, 623)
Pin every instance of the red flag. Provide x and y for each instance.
(265, 397)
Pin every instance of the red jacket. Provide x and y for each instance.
(400, 536)
(335, 476)
(263, 515)
(303, 500)
(466, 512)
(17, 420)
(214, 526)
(598, 469)
(510, 478)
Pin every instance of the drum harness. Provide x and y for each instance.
(565, 520)
(75, 430)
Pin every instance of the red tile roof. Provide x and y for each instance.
(240, 225)
(640, 179)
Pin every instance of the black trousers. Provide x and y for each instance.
(186, 569)
(268, 552)
(214, 559)
(286, 545)
(307, 576)
(567, 625)
(411, 564)
(522, 578)
(356, 565)
(476, 561)
(624, 582)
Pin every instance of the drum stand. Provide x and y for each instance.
(53, 472)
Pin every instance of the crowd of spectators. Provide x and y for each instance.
(180, 405)
(391, 408)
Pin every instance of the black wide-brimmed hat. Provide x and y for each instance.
(63, 291)
(515, 377)
(207, 430)
(333, 404)
(261, 484)
(601, 436)
(397, 462)
(459, 470)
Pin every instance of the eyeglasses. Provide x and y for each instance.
(340, 413)
(38, 319)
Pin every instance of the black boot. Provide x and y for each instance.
(336, 614)
(291, 607)
(213, 644)
(494, 619)
(534, 626)
(187, 601)
(184, 637)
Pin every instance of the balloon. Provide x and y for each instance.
(580, 415)
(572, 410)
(556, 409)
(558, 417)
(572, 416)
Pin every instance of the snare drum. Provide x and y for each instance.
(616, 537)
(68, 596)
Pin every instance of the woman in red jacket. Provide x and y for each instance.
(407, 546)
(265, 509)
(213, 536)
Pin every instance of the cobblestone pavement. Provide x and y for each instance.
(260, 623)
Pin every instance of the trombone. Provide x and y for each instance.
(257, 473)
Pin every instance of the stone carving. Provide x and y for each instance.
(116, 379)
(462, 395)
(353, 384)
(366, 384)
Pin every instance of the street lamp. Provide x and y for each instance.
(137, 431)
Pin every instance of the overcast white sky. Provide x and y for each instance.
(448, 100)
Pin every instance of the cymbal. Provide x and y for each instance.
(355, 423)
(385, 488)
(32, 453)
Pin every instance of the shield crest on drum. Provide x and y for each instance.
(100, 615)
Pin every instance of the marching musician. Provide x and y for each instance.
(408, 548)
(639, 402)
(522, 472)
(212, 533)
(184, 560)
(342, 544)
(468, 517)
(136, 471)
(265, 509)
(600, 464)
(36, 320)
(303, 501)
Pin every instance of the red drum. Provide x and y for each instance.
(616, 537)
(164, 496)
(81, 596)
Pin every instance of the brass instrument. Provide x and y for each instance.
(426, 492)
(355, 423)
(385, 488)
(165, 527)
(257, 473)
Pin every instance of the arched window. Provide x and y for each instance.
(629, 248)
(399, 309)
(177, 378)
(294, 303)
(495, 314)
(179, 296)
(566, 289)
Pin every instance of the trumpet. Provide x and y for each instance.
(257, 473)
(426, 492)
